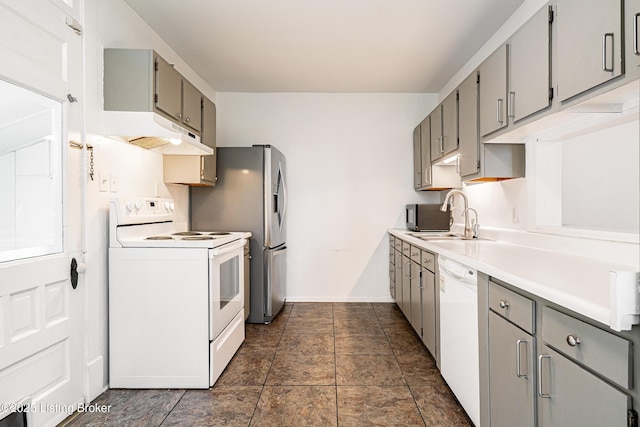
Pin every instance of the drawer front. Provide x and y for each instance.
(429, 261)
(415, 254)
(397, 244)
(406, 249)
(512, 306)
(595, 348)
(392, 240)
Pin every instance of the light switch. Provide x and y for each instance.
(113, 184)
(103, 181)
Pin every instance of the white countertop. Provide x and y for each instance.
(580, 284)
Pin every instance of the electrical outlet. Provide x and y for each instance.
(113, 183)
(103, 182)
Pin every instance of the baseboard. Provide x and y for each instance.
(354, 299)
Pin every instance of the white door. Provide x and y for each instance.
(41, 193)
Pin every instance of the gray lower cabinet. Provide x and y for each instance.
(572, 396)
(512, 392)
(392, 267)
(416, 291)
(428, 303)
(590, 43)
(398, 276)
(406, 287)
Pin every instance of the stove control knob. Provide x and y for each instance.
(167, 206)
(172, 206)
(138, 205)
(130, 206)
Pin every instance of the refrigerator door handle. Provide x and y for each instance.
(284, 195)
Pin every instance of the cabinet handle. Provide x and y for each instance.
(604, 52)
(427, 176)
(179, 115)
(442, 144)
(201, 167)
(540, 393)
(511, 106)
(636, 48)
(519, 373)
(408, 270)
(573, 341)
(504, 304)
(187, 119)
(499, 111)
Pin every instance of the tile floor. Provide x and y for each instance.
(317, 364)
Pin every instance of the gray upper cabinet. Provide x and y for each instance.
(168, 89)
(444, 127)
(208, 138)
(632, 27)
(468, 126)
(589, 41)
(436, 133)
(141, 80)
(493, 92)
(425, 147)
(191, 106)
(417, 158)
(529, 67)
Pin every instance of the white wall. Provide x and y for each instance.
(349, 164)
(112, 23)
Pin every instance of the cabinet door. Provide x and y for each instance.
(632, 27)
(529, 72)
(449, 123)
(168, 89)
(406, 287)
(589, 44)
(425, 148)
(493, 92)
(572, 396)
(398, 281)
(511, 375)
(436, 133)
(191, 106)
(468, 126)
(416, 317)
(417, 158)
(429, 311)
(208, 138)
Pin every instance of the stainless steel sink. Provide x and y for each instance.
(434, 235)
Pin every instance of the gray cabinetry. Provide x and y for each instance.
(529, 67)
(398, 272)
(417, 157)
(444, 127)
(589, 41)
(425, 148)
(415, 313)
(511, 359)
(168, 88)
(428, 302)
(196, 170)
(493, 92)
(576, 366)
(468, 126)
(191, 106)
(406, 280)
(392, 267)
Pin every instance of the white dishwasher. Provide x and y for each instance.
(459, 363)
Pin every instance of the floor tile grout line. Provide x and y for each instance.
(184, 392)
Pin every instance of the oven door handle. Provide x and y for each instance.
(229, 247)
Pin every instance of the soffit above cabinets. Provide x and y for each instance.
(405, 46)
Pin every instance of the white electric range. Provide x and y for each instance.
(176, 297)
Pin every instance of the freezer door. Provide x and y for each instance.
(275, 194)
(276, 281)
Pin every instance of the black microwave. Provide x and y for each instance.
(427, 217)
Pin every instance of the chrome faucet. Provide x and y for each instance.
(469, 233)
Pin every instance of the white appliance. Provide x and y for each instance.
(459, 362)
(176, 298)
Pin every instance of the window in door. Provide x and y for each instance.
(31, 207)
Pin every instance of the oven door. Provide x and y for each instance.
(226, 285)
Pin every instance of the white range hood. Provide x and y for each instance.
(154, 132)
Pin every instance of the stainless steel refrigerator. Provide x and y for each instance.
(251, 195)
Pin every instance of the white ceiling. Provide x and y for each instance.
(325, 45)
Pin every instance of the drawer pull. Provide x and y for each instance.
(519, 373)
(573, 341)
(540, 392)
(504, 304)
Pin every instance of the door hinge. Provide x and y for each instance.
(457, 96)
(632, 418)
(478, 164)
(550, 15)
(550, 93)
(155, 65)
(478, 78)
(74, 25)
(155, 98)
